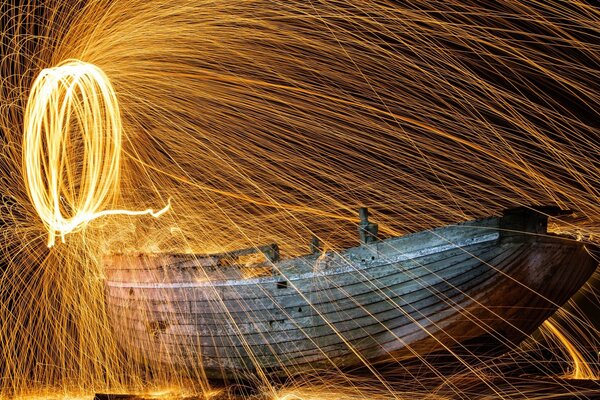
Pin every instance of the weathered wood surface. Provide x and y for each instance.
(495, 279)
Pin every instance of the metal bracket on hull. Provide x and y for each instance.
(367, 231)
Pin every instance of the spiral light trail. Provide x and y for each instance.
(70, 106)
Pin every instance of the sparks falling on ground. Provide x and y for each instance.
(270, 121)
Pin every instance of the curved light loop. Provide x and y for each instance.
(72, 148)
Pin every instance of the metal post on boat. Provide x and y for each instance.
(271, 252)
(315, 245)
(367, 231)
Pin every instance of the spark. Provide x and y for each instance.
(581, 368)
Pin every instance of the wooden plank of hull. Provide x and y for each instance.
(377, 299)
(375, 291)
(364, 323)
(379, 324)
(271, 305)
(376, 310)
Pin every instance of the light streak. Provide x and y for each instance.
(72, 147)
(580, 367)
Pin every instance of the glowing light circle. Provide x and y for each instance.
(72, 147)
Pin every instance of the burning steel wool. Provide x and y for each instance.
(80, 91)
(260, 122)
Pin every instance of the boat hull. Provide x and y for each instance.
(471, 289)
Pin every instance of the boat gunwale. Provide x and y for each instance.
(350, 267)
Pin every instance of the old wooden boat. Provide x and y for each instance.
(471, 288)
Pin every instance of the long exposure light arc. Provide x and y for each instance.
(68, 104)
(580, 368)
(271, 122)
